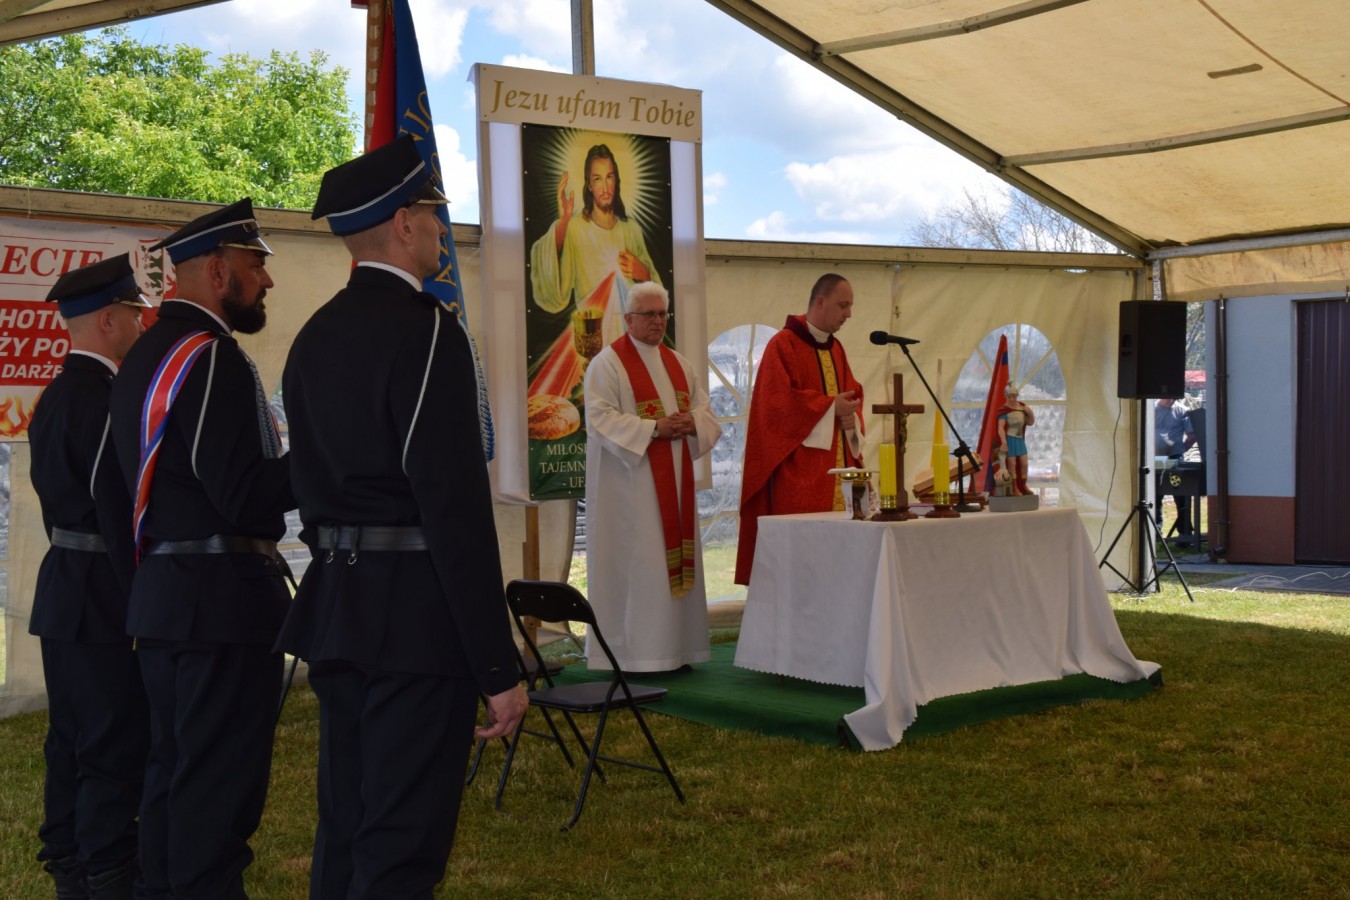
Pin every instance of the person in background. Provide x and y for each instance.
(98, 728)
(1173, 435)
(402, 614)
(803, 418)
(201, 452)
(647, 419)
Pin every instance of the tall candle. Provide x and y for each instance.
(888, 470)
(942, 480)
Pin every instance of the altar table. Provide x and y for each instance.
(916, 610)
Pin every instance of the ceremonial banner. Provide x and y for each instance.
(597, 222)
(998, 380)
(396, 104)
(34, 253)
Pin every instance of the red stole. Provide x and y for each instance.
(677, 511)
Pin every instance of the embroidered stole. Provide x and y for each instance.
(677, 511)
(159, 398)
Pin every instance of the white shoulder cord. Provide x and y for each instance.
(98, 457)
(426, 376)
(210, 377)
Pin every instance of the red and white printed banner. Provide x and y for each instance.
(34, 253)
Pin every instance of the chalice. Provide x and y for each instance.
(586, 337)
(858, 480)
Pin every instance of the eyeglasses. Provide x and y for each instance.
(654, 314)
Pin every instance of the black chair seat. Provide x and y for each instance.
(592, 697)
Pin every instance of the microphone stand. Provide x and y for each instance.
(962, 449)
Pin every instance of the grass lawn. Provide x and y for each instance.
(1230, 781)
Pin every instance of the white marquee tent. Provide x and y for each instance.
(1196, 134)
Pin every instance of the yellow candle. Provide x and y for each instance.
(942, 480)
(888, 470)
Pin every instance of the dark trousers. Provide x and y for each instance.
(213, 710)
(393, 750)
(97, 737)
(1183, 504)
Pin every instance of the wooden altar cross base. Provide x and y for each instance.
(901, 411)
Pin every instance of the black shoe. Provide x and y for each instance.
(115, 883)
(69, 878)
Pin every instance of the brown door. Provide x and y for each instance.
(1322, 478)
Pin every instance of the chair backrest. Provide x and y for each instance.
(554, 601)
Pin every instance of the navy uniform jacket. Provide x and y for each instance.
(229, 486)
(80, 596)
(351, 387)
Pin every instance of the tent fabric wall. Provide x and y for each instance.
(309, 266)
(949, 308)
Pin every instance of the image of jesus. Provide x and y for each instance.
(601, 249)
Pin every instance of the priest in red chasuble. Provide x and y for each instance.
(647, 420)
(804, 419)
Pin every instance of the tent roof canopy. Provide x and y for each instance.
(1174, 128)
(1156, 123)
(27, 20)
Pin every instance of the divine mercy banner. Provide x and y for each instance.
(597, 222)
(588, 187)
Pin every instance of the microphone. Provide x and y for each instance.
(881, 337)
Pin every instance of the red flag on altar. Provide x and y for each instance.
(998, 380)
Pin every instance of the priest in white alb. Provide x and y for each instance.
(647, 420)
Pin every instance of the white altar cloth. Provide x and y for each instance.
(916, 610)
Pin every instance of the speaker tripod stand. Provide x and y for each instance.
(1149, 532)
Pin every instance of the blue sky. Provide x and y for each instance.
(788, 154)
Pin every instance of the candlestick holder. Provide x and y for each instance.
(892, 511)
(942, 507)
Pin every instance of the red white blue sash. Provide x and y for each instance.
(164, 387)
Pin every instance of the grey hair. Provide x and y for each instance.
(646, 289)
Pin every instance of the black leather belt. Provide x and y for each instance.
(216, 543)
(78, 540)
(377, 538)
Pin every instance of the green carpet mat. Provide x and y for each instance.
(719, 694)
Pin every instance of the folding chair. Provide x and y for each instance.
(529, 673)
(553, 601)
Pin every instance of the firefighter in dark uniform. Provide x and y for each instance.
(200, 450)
(98, 731)
(401, 614)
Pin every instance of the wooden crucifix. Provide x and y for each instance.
(901, 411)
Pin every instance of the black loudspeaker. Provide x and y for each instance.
(1152, 349)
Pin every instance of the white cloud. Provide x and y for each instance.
(542, 26)
(777, 226)
(888, 190)
(440, 34)
(712, 185)
(460, 175)
(524, 61)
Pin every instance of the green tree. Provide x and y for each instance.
(101, 112)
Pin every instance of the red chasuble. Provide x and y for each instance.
(677, 508)
(796, 385)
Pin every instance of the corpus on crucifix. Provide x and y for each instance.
(894, 497)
